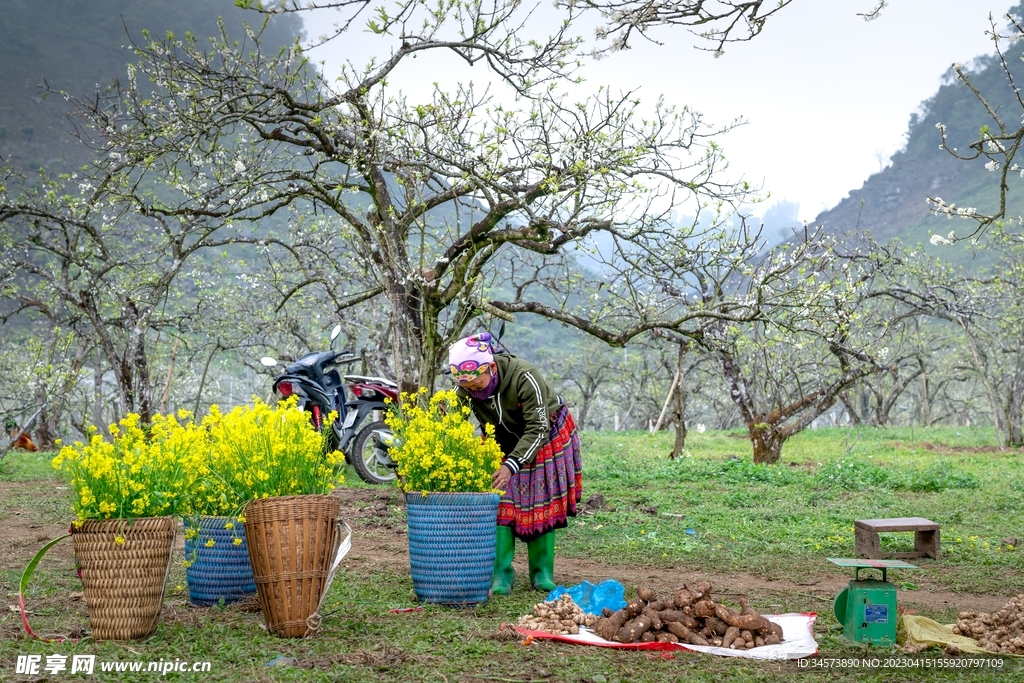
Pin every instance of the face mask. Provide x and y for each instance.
(487, 391)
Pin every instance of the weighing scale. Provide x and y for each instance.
(867, 607)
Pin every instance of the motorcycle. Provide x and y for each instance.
(315, 379)
(373, 465)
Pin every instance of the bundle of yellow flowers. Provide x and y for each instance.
(143, 471)
(261, 451)
(436, 447)
(174, 466)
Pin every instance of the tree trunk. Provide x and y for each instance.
(135, 354)
(132, 369)
(202, 378)
(850, 410)
(883, 407)
(97, 396)
(142, 385)
(767, 442)
(408, 353)
(926, 403)
(980, 367)
(45, 428)
(584, 410)
(680, 422)
(1014, 438)
(170, 376)
(429, 361)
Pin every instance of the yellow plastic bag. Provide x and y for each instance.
(915, 630)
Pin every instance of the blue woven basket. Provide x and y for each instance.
(221, 572)
(451, 545)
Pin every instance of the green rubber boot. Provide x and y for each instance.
(505, 549)
(542, 561)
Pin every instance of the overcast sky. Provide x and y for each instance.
(827, 96)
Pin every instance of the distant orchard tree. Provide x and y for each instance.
(984, 306)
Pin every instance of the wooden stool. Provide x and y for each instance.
(926, 537)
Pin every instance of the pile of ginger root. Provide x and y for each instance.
(1001, 631)
(689, 616)
(561, 615)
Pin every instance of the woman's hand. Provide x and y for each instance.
(500, 478)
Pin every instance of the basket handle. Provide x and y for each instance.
(341, 548)
(26, 576)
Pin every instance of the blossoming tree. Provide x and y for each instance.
(445, 195)
(983, 308)
(428, 192)
(995, 138)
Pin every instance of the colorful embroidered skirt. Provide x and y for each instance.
(542, 495)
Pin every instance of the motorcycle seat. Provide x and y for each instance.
(374, 380)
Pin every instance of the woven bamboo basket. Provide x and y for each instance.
(124, 582)
(292, 540)
(452, 538)
(218, 573)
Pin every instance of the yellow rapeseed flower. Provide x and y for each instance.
(436, 447)
(136, 473)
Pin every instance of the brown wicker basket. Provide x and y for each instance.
(292, 540)
(124, 582)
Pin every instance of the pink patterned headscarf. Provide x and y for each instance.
(468, 357)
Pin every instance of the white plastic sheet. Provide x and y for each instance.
(797, 640)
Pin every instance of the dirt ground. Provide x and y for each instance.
(379, 539)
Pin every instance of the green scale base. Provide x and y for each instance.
(867, 607)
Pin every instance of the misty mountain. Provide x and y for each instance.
(893, 202)
(82, 47)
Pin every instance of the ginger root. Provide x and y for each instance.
(561, 616)
(1001, 631)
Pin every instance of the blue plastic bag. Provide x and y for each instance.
(592, 599)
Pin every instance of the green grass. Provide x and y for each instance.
(23, 466)
(711, 511)
(783, 521)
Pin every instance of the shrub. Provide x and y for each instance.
(853, 475)
(938, 477)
